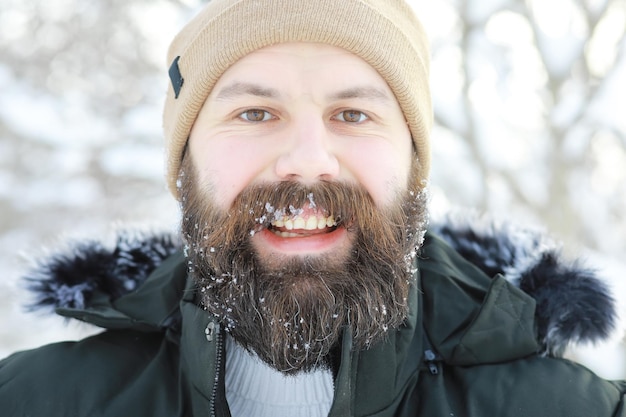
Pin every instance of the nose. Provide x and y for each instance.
(308, 156)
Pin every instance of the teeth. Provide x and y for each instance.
(310, 223)
(287, 234)
(299, 223)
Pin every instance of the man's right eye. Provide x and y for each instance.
(255, 115)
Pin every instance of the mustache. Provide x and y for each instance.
(279, 201)
(257, 206)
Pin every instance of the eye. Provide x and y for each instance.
(352, 116)
(255, 115)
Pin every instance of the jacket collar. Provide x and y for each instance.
(203, 359)
(469, 317)
(573, 304)
(113, 287)
(152, 307)
(468, 298)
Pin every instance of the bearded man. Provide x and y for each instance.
(307, 284)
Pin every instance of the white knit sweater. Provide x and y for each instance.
(254, 389)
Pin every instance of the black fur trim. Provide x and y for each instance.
(573, 305)
(70, 279)
(495, 249)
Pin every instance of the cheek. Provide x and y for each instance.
(380, 168)
(228, 167)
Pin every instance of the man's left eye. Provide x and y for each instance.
(351, 116)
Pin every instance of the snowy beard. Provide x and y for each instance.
(292, 313)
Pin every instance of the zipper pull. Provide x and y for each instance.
(430, 358)
(210, 331)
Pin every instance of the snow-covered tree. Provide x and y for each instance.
(529, 99)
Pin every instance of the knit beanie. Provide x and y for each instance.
(384, 33)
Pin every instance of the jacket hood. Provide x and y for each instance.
(573, 304)
(104, 285)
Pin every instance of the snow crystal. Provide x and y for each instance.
(279, 214)
(72, 295)
(294, 211)
(129, 284)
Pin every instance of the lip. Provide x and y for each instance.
(309, 243)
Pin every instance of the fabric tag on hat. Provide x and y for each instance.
(176, 77)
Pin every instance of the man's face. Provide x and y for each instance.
(302, 112)
(300, 207)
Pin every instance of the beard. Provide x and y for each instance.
(292, 311)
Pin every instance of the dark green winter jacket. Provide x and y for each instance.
(474, 344)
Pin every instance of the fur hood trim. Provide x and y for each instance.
(573, 305)
(69, 278)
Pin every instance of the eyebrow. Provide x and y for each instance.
(365, 92)
(246, 89)
(250, 89)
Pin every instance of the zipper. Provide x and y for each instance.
(431, 360)
(211, 330)
(212, 333)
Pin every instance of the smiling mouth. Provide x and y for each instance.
(303, 226)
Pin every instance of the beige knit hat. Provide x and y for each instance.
(385, 33)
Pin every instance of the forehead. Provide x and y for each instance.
(300, 65)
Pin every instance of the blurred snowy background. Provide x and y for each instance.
(529, 101)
